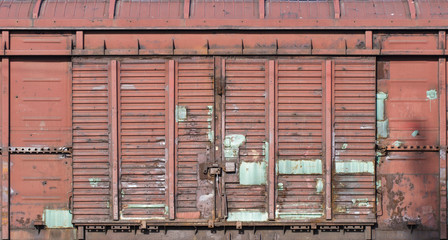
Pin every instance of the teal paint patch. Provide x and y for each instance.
(301, 216)
(232, 143)
(300, 166)
(181, 113)
(319, 185)
(344, 146)
(382, 129)
(211, 136)
(247, 216)
(380, 110)
(397, 143)
(280, 186)
(94, 182)
(431, 94)
(415, 133)
(57, 218)
(252, 173)
(355, 166)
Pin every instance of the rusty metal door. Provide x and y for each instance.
(40, 142)
(411, 104)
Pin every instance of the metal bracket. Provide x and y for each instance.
(413, 148)
(95, 228)
(214, 170)
(40, 150)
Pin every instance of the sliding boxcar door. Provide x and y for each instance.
(245, 139)
(300, 139)
(143, 138)
(194, 136)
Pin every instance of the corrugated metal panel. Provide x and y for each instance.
(354, 139)
(40, 99)
(431, 9)
(227, 9)
(375, 9)
(303, 9)
(91, 166)
(149, 9)
(16, 9)
(143, 133)
(194, 150)
(300, 139)
(245, 138)
(79, 9)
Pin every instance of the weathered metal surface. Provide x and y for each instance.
(195, 139)
(40, 191)
(300, 139)
(226, 14)
(91, 129)
(354, 139)
(143, 139)
(40, 98)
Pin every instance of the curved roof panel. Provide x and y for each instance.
(224, 14)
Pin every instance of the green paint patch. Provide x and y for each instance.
(252, 173)
(247, 216)
(431, 94)
(181, 113)
(232, 143)
(57, 218)
(380, 110)
(398, 143)
(355, 166)
(94, 182)
(300, 166)
(319, 185)
(382, 129)
(211, 136)
(415, 133)
(362, 202)
(344, 146)
(280, 186)
(299, 216)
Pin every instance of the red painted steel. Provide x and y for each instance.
(271, 158)
(171, 139)
(328, 137)
(5, 81)
(39, 93)
(300, 137)
(113, 135)
(354, 139)
(442, 79)
(92, 178)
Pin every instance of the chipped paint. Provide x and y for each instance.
(397, 143)
(57, 218)
(127, 86)
(300, 166)
(361, 202)
(181, 113)
(280, 186)
(94, 182)
(252, 173)
(355, 166)
(210, 110)
(380, 110)
(382, 129)
(211, 135)
(344, 146)
(100, 87)
(247, 216)
(232, 143)
(415, 133)
(319, 185)
(431, 94)
(299, 216)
